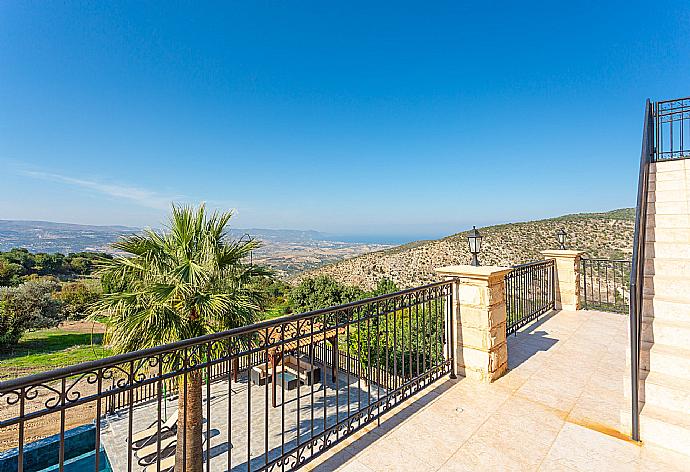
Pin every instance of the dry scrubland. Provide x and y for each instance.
(605, 235)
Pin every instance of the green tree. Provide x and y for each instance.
(12, 324)
(403, 341)
(80, 265)
(50, 264)
(10, 273)
(78, 298)
(187, 281)
(22, 257)
(322, 292)
(29, 306)
(384, 286)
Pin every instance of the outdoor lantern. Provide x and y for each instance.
(251, 253)
(475, 241)
(562, 236)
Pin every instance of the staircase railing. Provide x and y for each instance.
(671, 129)
(637, 271)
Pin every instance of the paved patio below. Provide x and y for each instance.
(558, 408)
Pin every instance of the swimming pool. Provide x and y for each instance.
(42, 455)
(86, 461)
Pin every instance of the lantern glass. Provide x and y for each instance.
(562, 236)
(475, 241)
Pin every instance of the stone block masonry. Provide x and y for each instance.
(480, 320)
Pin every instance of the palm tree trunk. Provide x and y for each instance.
(190, 427)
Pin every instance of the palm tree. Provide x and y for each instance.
(186, 281)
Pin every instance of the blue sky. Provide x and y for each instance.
(407, 119)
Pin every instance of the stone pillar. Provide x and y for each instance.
(567, 277)
(481, 351)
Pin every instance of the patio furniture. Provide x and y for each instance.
(147, 455)
(259, 376)
(145, 436)
(167, 465)
(287, 379)
(307, 372)
(294, 336)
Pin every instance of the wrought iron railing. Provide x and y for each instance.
(530, 292)
(672, 129)
(649, 153)
(605, 284)
(148, 391)
(310, 381)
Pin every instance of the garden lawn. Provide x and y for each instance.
(47, 349)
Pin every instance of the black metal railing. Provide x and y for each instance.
(605, 284)
(306, 382)
(148, 391)
(649, 153)
(671, 130)
(530, 292)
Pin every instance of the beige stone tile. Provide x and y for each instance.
(470, 392)
(389, 454)
(336, 460)
(656, 459)
(605, 382)
(332, 459)
(557, 396)
(613, 366)
(579, 362)
(477, 456)
(353, 466)
(435, 438)
(526, 359)
(515, 421)
(554, 466)
(580, 448)
(514, 379)
(599, 407)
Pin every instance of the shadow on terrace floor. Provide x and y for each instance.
(357, 442)
(529, 341)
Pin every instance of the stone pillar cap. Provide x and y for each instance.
(474, 272)
(562, 253)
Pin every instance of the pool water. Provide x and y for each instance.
(79, 447)
(84, 462)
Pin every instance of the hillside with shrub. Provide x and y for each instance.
(601, 235)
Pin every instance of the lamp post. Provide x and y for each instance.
(251, 253)
(562, 236)
(475, 241)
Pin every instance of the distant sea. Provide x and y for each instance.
(393, 240)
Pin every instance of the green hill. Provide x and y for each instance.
(604, 235)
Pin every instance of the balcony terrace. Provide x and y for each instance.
(493, 368)
(558, 408)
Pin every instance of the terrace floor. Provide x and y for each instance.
(228, 447)
(558, 408)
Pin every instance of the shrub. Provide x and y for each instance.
(322, 292)
(29, 306)
(384, 287)
(76, 299)
(10, 273)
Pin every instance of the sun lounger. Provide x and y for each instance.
(167, 465)
(147, 454)
(168, 459)
(144, 437)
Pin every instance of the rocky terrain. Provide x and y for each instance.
(287, 258)
(605, 235)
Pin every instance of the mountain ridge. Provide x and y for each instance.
(602, 234)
